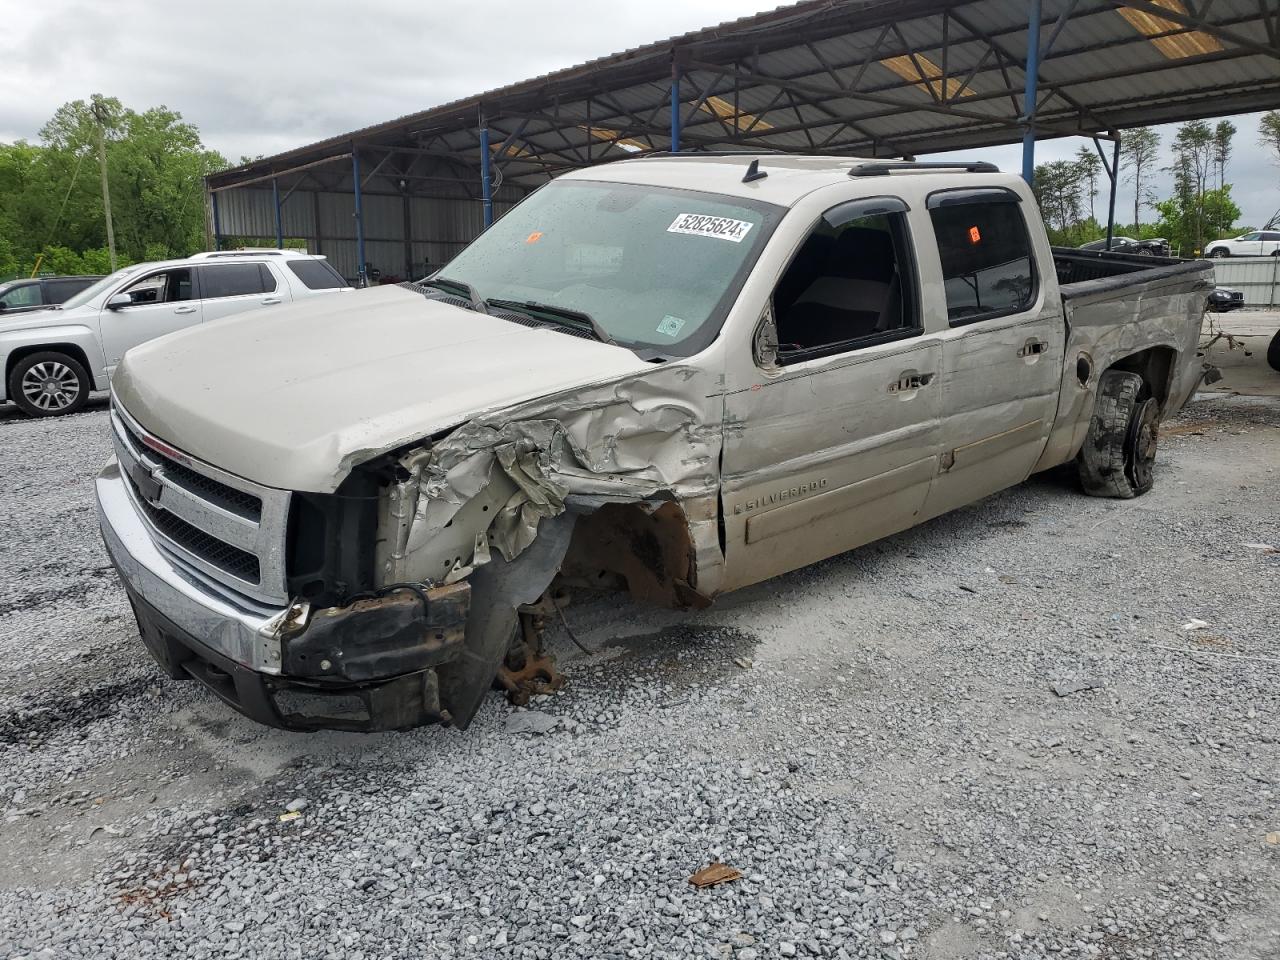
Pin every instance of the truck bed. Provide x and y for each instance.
(1143, 313)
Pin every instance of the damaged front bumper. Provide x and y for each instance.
(366, 666)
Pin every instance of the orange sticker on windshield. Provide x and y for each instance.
(534, 237)
(975, 235)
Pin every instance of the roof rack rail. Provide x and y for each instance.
(882, 168)
(746, 152)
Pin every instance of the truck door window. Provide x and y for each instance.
(168, 286)
(987, 266)
(850, 285)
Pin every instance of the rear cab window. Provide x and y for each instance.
(988, 266)
(235, 280)
(316, 274)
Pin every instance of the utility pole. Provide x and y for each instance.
(100, 114)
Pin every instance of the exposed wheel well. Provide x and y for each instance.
(643, 549)
(70, 349)
(1155, 365)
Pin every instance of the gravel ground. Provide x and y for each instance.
(875, 742)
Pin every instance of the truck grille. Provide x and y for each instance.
(227, 528)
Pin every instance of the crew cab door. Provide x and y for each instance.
(835, 442)
(161, 301)
(1003, 346)
(231, 288)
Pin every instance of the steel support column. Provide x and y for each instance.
(1029, 93)
(217, 223)
(675, 107)
(1111, 202)
(275, 196)
(361, 278)
(486, 180)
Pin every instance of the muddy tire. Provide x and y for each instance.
(1118, 456)
(49, 384)
(1273, 352)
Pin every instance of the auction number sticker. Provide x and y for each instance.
(704, 225)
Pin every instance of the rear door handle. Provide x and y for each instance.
(185, 310)
(271, 300)
(909, 381)
(1032, 348)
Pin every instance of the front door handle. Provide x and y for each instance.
(1032, 348)
(909, 381)
(185, 310)
(271, 300)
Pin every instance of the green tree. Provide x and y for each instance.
(1090, 168)
(1269, 134)
(1182, 218)
(50, 194)
(1139, 149)
(1059, 189)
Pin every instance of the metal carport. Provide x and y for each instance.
(856, 77)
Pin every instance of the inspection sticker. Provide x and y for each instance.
(703, 225)
(671, 326)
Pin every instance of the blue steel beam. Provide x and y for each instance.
(361, 279)
(486, 179)
(275, 196)
(1029, 93)
(675, 107)
(217, 223)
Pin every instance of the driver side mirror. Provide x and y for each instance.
(3, 306)
(118, 300)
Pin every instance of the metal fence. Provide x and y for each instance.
(1258, 278)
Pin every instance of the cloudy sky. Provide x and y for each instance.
(257, 78)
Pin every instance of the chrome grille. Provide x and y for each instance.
(224, 527)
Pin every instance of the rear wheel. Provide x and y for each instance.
(1119, 453)
(49, 384)
(1273, 352)
(1219, 253)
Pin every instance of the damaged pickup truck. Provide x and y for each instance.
(669, 376)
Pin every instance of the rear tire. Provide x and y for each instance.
(1219, 253)
(1273, 352)
(1118, 456)
(49, 384)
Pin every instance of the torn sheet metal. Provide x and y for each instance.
(491, 482)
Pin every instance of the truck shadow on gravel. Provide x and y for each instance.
(679, 657)
(33, 725)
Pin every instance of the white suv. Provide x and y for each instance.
(1260, 243)
(52, 359)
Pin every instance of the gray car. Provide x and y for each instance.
(36, 293)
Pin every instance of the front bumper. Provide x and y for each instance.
(367, 667)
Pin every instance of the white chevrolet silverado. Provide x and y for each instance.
(668, 376)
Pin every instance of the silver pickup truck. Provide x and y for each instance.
(668, 376)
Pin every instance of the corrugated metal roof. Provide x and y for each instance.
(864, 77)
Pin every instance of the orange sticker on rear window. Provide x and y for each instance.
(534, 237)
(975, 235)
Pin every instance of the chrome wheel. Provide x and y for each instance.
(51, 386)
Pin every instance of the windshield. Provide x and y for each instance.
(87, 294)
(653, 266)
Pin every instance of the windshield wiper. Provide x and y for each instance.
(575, 318)
(445, 284)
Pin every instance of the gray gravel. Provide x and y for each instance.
(988, 737)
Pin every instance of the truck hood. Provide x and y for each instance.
(296, 396)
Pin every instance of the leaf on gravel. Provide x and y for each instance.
(715, 874)
(1261, 547)
(743, 662)
(291, 815)
(1273, 837)
(1194, 624)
